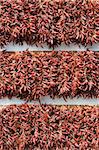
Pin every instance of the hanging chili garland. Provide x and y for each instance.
(33, 75)
(49, 127)
(51, 22)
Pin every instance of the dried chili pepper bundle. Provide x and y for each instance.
(28, 127)
(32, 75)
(51, 22)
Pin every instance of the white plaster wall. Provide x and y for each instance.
(71, 47)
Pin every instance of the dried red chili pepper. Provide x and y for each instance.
(32, 75)
(51, 22)
(53, 127)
